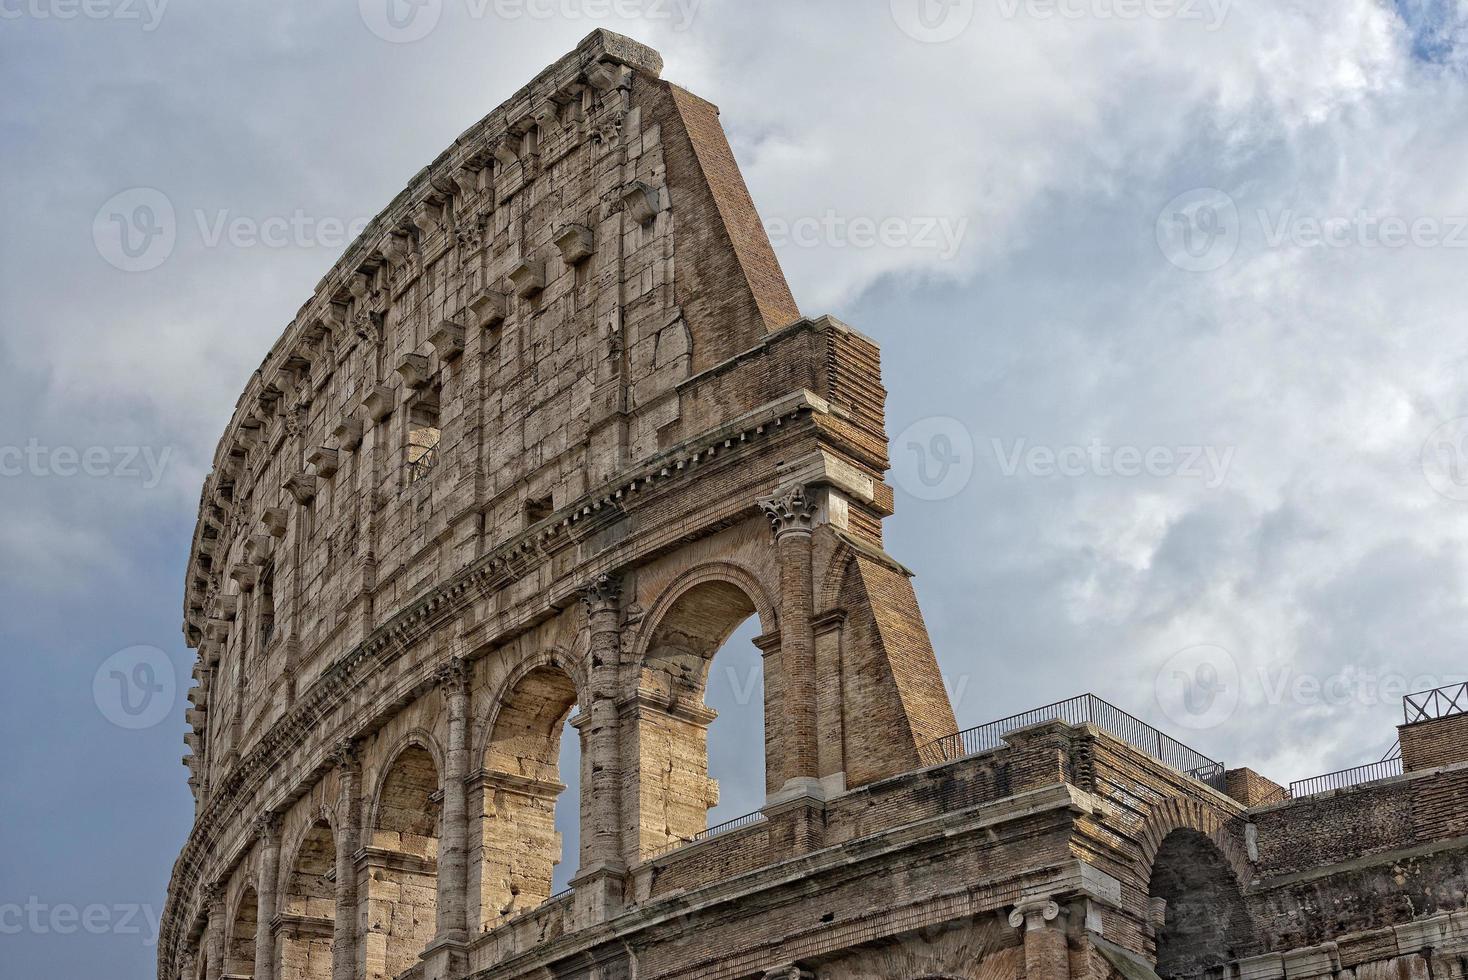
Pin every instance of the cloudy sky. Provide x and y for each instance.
(1171, 296)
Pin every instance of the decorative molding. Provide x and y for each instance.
(1034, 912)
(790, 512)
(602, 594)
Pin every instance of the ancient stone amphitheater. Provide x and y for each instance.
(540, 439)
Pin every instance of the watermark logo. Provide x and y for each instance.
(940, 234)
(146, 13)
(143, 463)
(136, 688)
(406, 21)
(933, 21)
(401, 21)
(38, 918)
(139, 229)
(934, 458)
(136, 230)
(1199, 688)
(1199, 231)
(1209, 464)
(1445, 459)
(1210, 13)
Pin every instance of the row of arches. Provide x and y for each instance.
(525, 800)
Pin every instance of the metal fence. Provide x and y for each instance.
(1086, 709)
(1445, 702)
(717, 830)
(1347, 778)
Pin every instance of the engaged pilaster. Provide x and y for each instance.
(792, 516)
(265, 894)
(214, 940)
(601, 880)
(1047, 956)
(453, 862)
(344, 935)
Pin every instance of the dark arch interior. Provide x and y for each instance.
(1204, 921)
(692, 631)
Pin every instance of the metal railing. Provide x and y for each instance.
(1086, 709)
(1445, 702)
(717, 830)
(422, 467)
(729, 826)
(1347, 778)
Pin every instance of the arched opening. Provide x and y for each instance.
(1197, 908)
(308, 908)
(681, 695)
(402, 873)
(520, 854)
(239, 947)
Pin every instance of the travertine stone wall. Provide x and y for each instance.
(539, 441)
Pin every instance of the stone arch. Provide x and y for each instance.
(308, 904)
(1193, 859)
(828, 597)
(552, 657)
(518, 846)
(1183, 813)
(688, 624)
(239, 941)
(417, 738)
(402, 858)
(1196, 907)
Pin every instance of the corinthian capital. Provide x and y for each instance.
(454, 676)
(790, 512)
(268, 827)
(603, 594)
(345, 756)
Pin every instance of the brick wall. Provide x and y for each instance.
(1430, 744)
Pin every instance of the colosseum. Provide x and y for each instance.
(541, 438)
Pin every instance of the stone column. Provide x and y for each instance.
(453, 856)
(1047, 955)
(348, 822)
(188, 963)
(214, 939)
(601, 881)
(603, 599)
(265, 892)
(792, 515)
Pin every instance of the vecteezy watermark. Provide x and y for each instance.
(1200, 687)
(39, 918)
(136, 688)
(1210, 13)
(1200, 231)
(145, 463)
(1203, 687)
(138, 229)
(935, 233)
(746, 686)
(933, 21)
(1445, 459)
(148, 14)
(1097, 459)
(406, 21)
(934, 458)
